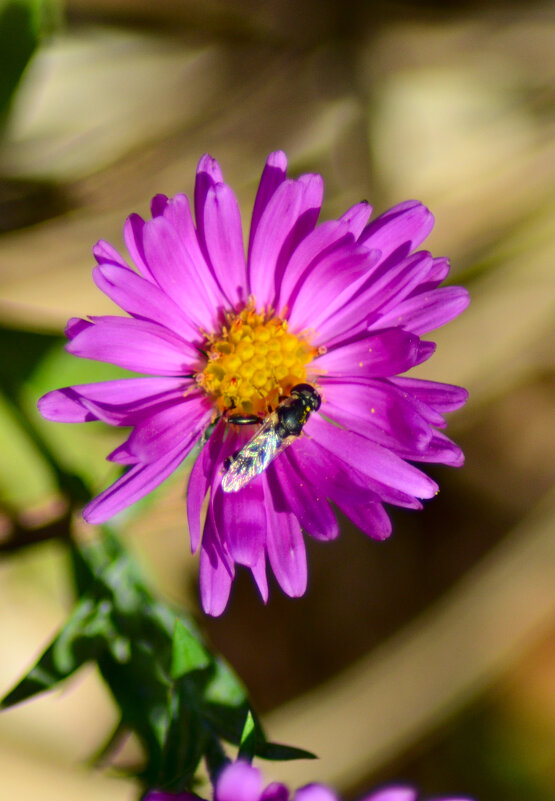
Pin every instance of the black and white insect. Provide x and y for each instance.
(276, 433)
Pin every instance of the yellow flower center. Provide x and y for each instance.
(253, 363)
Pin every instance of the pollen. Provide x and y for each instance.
(253, 362)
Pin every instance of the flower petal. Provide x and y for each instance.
(389, 284)
(133, 233)
(399, 793)
(241, 521)
(377, 410)
(273, 174)
(182, 421)
(399, 230)
(224, 242)
(239, 782)
(171, 265)
(441, 397)
(133, 485)
(314, 792)
(143, 299)
(330, 285)
(208, 174)
(275, 792)
(121, 402)
(284, 543)
(158, 205)
(75, 325)
(383, 354)
(259, 574)
(305, 500)
(342, 482)
(289, 217)
(202, 477)
(356, 217)
(372, 519)
(319, 243)
(428, 311)
(216, 571)
(276, 223)
(137, 345)
(370, 459)
(178, 214)
(440, 449)
(104, 253)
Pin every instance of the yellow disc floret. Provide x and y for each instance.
(253, 363)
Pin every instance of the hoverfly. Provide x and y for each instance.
(279, 430)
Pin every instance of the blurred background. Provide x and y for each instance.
(430, 657)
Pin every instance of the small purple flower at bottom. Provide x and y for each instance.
(241, 782)
(224, 340)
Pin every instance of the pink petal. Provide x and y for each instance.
(275, 792)
(318, 244)
(258, 571)
(104, 253)
(400, 229)
(241, 521)
(342, 482)
(393, 794)
(133, 232)
(330, 285)
(377, 410)
(440, 449)
(202, 477)
(372, 519)
(133, 485)
(314, 792)
(288, 219)
(158, 205)
(307, 503)
(239, 782)
(208, 174)
(371, 460)
(273, 174)
(284, 543)
(175, 273)
(356, 217)
(75, 325)
(178, 214)
(224, 242)
(428, 311)
(143, 299)
(162, 430)
(391, 283)
(443, 397)
(216, 571)
(387, 353)
(137, 345)
(119, 402)
(275, 225)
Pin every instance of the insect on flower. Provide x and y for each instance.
(312, 330)
(278, 431)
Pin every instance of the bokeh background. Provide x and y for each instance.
(430, 657)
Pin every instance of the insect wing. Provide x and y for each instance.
(253, 458)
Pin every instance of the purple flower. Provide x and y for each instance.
(241, 782)
(340, 306)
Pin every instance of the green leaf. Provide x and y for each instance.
(276, 752)
(248, 738)
(22, 25)
(79, 641)
(188, 653)
(180, 700)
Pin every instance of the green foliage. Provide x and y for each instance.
(178, 698)
(22, 25)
